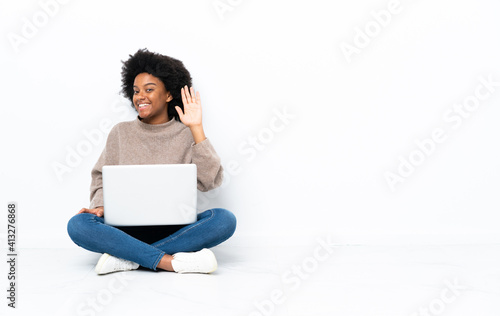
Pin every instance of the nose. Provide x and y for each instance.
(139, 97)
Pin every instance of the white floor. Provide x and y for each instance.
(312, 280)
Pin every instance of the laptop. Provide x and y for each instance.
(145, 195)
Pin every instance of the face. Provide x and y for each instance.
(151, 99)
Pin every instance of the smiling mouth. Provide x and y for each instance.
(142, 105)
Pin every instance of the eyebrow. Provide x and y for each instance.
(146, 84)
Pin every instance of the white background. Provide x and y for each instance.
(323, 171)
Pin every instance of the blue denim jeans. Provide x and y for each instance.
(212, 227)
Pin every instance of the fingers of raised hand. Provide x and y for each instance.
(198, 99)
(189, 96)
(192, 95)
(183, 96)
(179, 111)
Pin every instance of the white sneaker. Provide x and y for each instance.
(202, 261)
(107, 264)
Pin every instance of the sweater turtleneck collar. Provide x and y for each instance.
(154, 127)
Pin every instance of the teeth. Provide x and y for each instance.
(142, 105)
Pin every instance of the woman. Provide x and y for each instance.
(168, 130)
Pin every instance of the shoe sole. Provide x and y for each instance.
(100, 263)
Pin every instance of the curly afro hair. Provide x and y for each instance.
(169, 70)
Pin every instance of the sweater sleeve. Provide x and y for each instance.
(108, 157)
(96, 198)
(209, 168)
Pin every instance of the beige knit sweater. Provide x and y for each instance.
(138, 143)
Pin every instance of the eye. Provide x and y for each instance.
(149, 90)
(135, 91)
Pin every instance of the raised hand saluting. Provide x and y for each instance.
(192, 107)
(192, 113)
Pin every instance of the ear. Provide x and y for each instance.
(169, 97)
